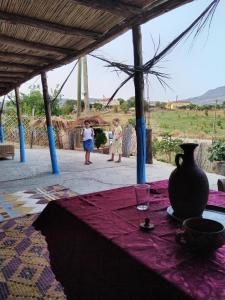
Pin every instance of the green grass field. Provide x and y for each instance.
(180, 123)
(190, 124)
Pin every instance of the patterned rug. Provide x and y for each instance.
(30, 202)
(25, 272)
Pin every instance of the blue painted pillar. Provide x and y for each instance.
(51, 139)
(139, 105)
(20, 126)
(1, 134)
(141, 150)
(22, 144)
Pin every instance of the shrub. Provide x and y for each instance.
(132, 121)
(98, 106)
(125, 107)
(100, 137)
(217, 151)
(167, 146)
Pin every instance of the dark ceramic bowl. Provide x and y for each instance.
(202, 234)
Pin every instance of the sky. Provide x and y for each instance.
(194, 68)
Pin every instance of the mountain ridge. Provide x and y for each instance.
(209, 97)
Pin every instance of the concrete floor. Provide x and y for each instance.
(102, 175)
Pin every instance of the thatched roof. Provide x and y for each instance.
(37, 36)
(58, 123)
(95, 121)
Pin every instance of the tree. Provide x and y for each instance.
(98, 106)
(68, 106)
(125, 107)
(32, 100)
(121, 100)
(55, 97)
(131, 102)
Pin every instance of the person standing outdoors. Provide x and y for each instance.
(116, 147)
(87, 135)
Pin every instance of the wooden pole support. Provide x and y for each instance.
(139, 104)
(20, 126)
(1, 129)
(149, 156)
(51, 139)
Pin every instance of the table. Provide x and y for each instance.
(98, 252)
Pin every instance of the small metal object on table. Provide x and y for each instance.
(146, 226)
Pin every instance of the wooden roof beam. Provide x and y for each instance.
(8, 80)
(5, 85)
(34, 46)
(10, 74)
(49, 26)
(13, 55)
(115, 7)
(20, 66)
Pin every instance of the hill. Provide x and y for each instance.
(210, 97)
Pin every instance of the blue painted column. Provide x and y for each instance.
(20, 126)
(141, 150)
(22, 144)
(51, 139)
(139, 105)
(1, 134)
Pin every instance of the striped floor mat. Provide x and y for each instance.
(25, 271)
(14, 205)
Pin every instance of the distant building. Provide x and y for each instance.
(104, 101)
(177, 104)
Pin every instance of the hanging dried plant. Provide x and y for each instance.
(149, 68)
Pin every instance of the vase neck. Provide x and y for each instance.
(189, 157)
(189, 152)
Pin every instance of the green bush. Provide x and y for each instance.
(100, 137)
(124, 107)
(132, 121)
(167, 147)
(217, 151)
(98, 106)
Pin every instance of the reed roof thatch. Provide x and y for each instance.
(37, 36)
(60, 123)
(95, 121)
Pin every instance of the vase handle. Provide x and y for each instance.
(177, 159)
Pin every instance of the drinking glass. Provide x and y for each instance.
(142, 192)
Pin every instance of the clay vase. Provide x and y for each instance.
(188, 185)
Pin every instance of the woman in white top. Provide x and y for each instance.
(87, 134)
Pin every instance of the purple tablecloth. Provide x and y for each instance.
(98, 252)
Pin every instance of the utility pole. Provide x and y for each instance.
(85, 80)
(79, 87)
(214, 123)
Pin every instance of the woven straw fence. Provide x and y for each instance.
(33, 137)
